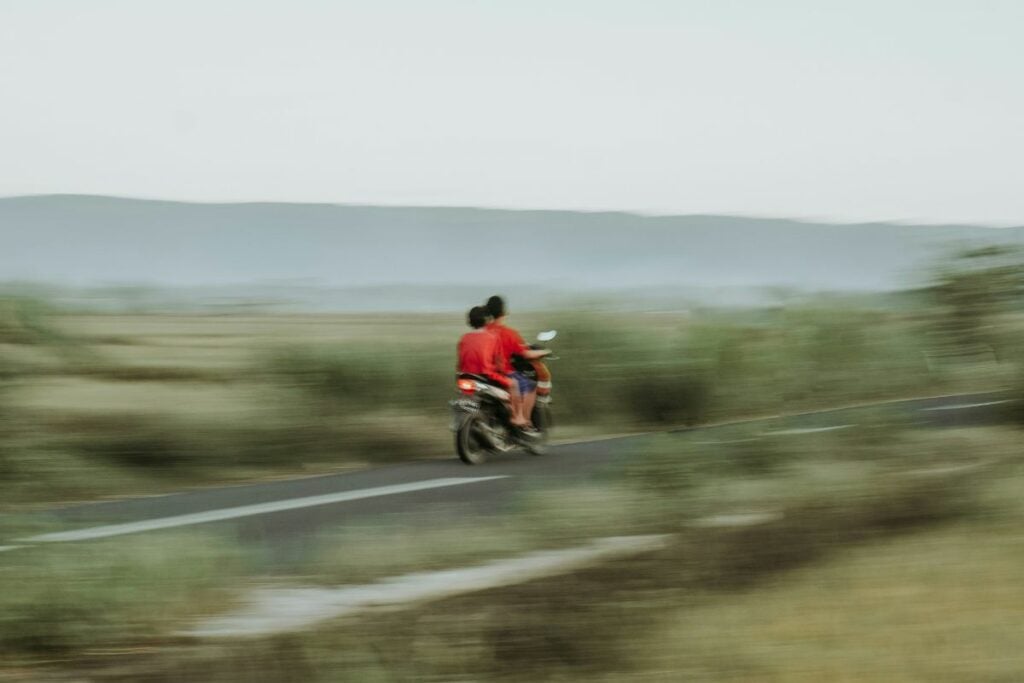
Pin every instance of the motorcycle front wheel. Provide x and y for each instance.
(541, 419)
(470, 443)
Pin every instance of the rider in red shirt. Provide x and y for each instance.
(478, 350)
(510, 343)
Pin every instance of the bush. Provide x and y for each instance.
(616, 370)
(356, 379)
(25, 321)
(67, 598)
(609, 372)
(669, 399)
(971, 289)
(157, 445)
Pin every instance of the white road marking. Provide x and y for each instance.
(962, 406)
(740, 519)
(248, 510)
(4, 548)
(947, 469)
(807, 430)
(726, 442)
(278, 610)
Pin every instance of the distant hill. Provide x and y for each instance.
(382, 251)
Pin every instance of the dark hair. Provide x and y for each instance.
(496, 306)
(477, 317)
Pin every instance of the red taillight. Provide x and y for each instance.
(466, 386)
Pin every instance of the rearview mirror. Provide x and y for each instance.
(547, 336)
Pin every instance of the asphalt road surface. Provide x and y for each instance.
(286, 516)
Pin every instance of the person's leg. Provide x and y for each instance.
(527, 394)
(528, 402)
(515, 403)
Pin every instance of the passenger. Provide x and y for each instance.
(478, 349)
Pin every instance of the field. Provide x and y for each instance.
(151, 402)
(883, 522)
(98, 405)
(891, 555)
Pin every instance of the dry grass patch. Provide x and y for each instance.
(197, 400)
(73, 602)
(943, 605)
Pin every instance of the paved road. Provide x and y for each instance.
(286, 515)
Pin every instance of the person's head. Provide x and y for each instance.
(477, 317)
(496, 307)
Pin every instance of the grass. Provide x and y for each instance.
(842, 496)
(69, 602)
(938, 605)
(859, 581)
(215, 395)
(619, 622)
(111, 405)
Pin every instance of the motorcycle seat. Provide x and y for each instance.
(480, 378)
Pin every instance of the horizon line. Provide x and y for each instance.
(622, 212)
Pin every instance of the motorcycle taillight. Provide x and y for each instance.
(466, 386)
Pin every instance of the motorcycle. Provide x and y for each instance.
(480, 415)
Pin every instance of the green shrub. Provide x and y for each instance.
(361, 379)
(161, 446)
(25, 321)
(69, 598)
(635, 371)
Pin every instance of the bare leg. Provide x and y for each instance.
(515, 404)
(528, 401)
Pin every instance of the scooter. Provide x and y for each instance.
(481, 413)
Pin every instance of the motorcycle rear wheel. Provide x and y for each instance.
(470, 444)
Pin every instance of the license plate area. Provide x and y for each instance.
(465, 404)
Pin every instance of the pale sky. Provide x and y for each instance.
(859, 110)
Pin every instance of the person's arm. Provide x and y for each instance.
(526, 352)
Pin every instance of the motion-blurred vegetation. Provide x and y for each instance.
(121, 595)
(165, 402)
(101, 404)
(96, 405)
(976, 290)
(832, 503)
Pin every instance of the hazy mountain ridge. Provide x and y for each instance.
(92, 239)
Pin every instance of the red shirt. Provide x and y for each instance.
(477, 352)
(509, 344)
